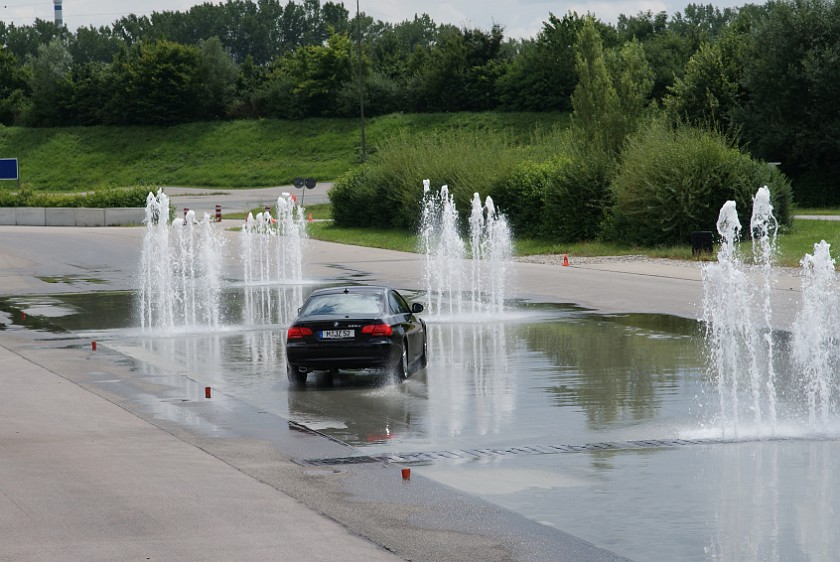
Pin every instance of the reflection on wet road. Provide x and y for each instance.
(541, 375)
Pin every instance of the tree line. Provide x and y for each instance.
(246, 59)
(763, 74)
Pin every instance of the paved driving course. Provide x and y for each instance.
(85, 474)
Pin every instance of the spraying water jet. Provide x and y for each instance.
(456, 286)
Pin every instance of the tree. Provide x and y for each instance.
(14, 86)
(91, 93)
(669, 44)
(336, 17)
(50, 84)
(702, 23)
(217, 75)
(438, 84)
(642, 26)
(458, 73)
(612, 92)
(132, 28)
(307, 82)
(710, 91)
(543, 76)
(632, 79)
(483, 68)
(157, 83)
(790, 75)
(24, 41)
(597, 110)
(12, 76)
(93, 44)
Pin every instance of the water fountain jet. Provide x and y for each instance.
(456, 286)
(737, 314)
(815, 332)
(272, 253)
(180, 277)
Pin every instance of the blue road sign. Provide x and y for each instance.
(8, 169)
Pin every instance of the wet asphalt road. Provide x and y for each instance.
(203, 200)
(417, 519)
(423, 520)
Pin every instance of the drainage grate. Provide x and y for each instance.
(340, 461)
(495, 453)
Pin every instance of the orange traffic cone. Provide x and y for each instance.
(565, 260)
(310, 217)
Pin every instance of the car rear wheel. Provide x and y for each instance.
(424, 359)
(296, 377)
(401, 368)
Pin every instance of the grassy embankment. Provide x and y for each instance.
(270, 152)
(226, 154)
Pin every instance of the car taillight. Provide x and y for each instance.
(297, 332)
(377, 330)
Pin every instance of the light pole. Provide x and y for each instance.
(361, 78)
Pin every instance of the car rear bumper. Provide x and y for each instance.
(374, 355)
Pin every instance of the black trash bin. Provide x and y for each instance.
(702, 242)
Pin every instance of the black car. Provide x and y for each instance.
(356, 327)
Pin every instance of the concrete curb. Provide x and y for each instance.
(71, 216)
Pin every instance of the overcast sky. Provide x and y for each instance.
(520, 18)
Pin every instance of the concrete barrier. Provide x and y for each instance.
(67, 216)
(7, 215)
(90, 217)
(60, 216)
(124, 216)
(31, 216)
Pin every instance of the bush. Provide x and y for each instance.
(522, 196)
(579, 197)
(382, 96)
(387, 192)
(104, 198)
(563, 198)
(673, 181)
(354, 199)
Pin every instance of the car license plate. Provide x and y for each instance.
(337, 334)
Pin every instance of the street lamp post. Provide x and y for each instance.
(361, 78)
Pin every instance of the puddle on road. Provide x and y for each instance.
(551, 375)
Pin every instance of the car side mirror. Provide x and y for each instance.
(416, 307)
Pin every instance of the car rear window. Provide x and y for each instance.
(342, 303)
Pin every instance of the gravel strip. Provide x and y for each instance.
(557, 259)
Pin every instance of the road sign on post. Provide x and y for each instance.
(309, 183)
(9, 169)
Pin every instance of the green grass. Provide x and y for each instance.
(800, 239)
(397, 239)
(229, 154)
(390, 239)
(817, 211)
(531, 246)
(791, 245)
